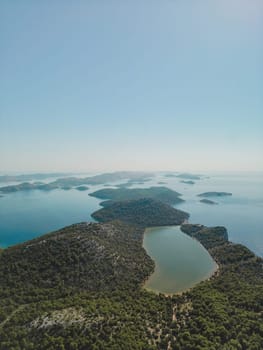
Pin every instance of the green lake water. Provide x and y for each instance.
(180, 261)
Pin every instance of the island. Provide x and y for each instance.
(214, 194)
(30, 177)
(81, 287)
(189, 176)
(188, 182)
(145, 212)
(161, 193)
(207, 201)
(82, 188)
(170, 175)
(69, 182)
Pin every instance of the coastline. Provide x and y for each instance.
(213, 273)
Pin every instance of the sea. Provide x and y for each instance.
(28, 214)
(180, 261)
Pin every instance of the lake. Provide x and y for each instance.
(180, 261)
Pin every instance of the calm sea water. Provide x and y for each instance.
(24, 215)
(180, 261)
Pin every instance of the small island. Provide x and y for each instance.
(188, 176)
(163, 194)
(214, 194)
(188, 182)
(207, 201)
(82, 188)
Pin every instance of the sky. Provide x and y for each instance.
(99, 85)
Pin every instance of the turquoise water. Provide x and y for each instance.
(180, 261)
(24, 215)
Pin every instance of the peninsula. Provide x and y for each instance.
(81, 288)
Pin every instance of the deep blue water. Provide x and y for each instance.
(24, 215)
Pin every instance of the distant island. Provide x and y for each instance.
(67, 183)
(188, 182)
(214, 194)
(82, 188)
(161, 193)
(30, 177)
(189, 176)
(207, 201)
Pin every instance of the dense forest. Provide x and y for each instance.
(82, 288)
(145, 212)
(161, 193)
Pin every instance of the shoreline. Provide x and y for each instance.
(212, 274)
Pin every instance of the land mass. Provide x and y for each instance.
(207, 201)
(145, 212)
(69, 182)
(189, 176)
(30, 177)
(81, 288)
(214, 194)
(161, 193)
(188, 182)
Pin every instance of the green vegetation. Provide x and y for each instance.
(87, 255)
(67, 183)
(160, 193)
(27, 186)
(144, 212)
(80, 288)
(214, 194)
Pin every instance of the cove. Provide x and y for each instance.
(180, 261)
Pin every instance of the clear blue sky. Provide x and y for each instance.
(135, 84)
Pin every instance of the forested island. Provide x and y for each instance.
(145, 212)
(67, 183)
(81, 288)
(214, 194)
(160, 193)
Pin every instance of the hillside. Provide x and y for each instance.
(79, 288)
(160, 193)
(144, 212)
(86, 256)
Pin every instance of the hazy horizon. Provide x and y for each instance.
(98, 86)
